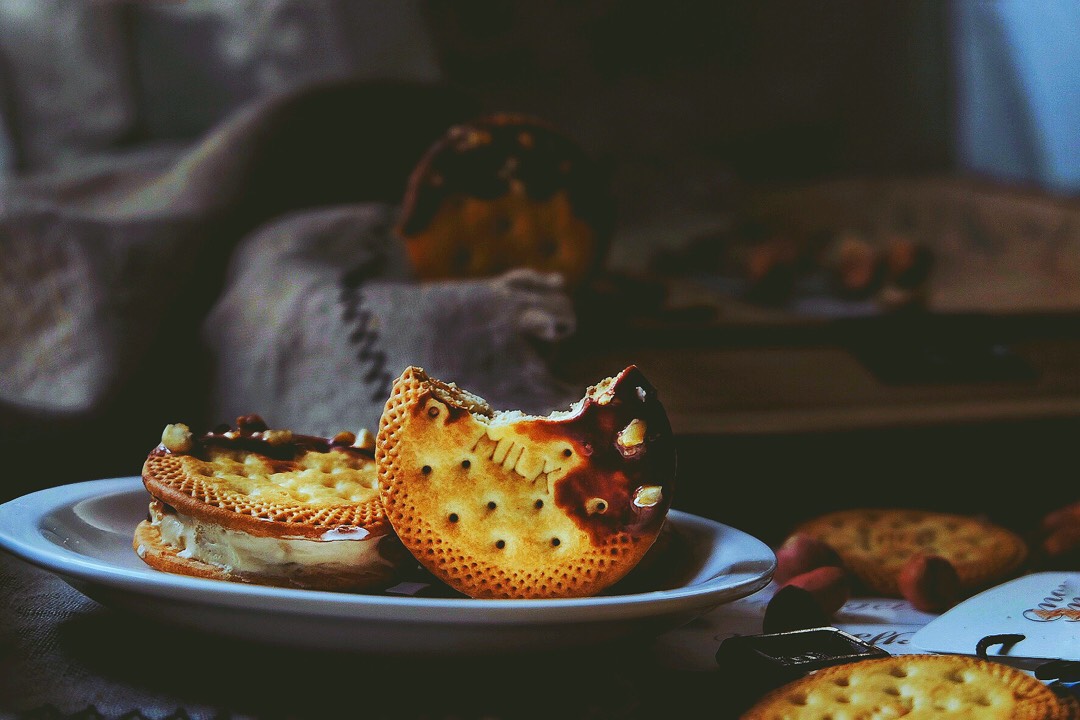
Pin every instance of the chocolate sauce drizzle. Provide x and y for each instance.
(608, 474)
(248, 435)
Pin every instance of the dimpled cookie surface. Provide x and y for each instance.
(244, 479)
(914, 687)
(508, 506)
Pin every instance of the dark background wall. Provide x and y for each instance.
(685, 94)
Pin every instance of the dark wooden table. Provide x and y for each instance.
(64, 656)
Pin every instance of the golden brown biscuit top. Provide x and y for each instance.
(268, 482)
(918, 687)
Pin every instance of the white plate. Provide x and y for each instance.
(1043, 608)
(82, 532)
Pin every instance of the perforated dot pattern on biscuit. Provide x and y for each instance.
(915, 687)
(316, 492)
(479, 511)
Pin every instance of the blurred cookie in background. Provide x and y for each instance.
(506, 191)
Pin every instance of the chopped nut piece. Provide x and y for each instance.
(344, 438)
(648, 495)
(631, 439)
(177, 438)
(633, 434)
(364, 440)
(277, 437)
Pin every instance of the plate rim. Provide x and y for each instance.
(22, 535)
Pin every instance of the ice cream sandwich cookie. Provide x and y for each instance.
(267, 506)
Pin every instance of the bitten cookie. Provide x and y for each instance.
(266, 506)
(876, 543)
(914, 687)
(506, 505)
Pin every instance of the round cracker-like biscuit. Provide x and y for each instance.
(300, 489)
(915, 687)
(875, 543)
(512, 506)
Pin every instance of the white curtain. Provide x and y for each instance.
(1018, 90)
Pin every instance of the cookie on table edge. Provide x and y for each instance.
(876, 543)
(929, 685)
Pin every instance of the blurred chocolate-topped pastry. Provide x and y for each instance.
(499, 504)
(267, 506)
(502, 192)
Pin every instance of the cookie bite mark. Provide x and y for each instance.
(618, 457)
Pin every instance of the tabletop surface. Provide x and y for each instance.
(62, 655)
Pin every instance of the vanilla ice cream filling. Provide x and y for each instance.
(237, 551)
